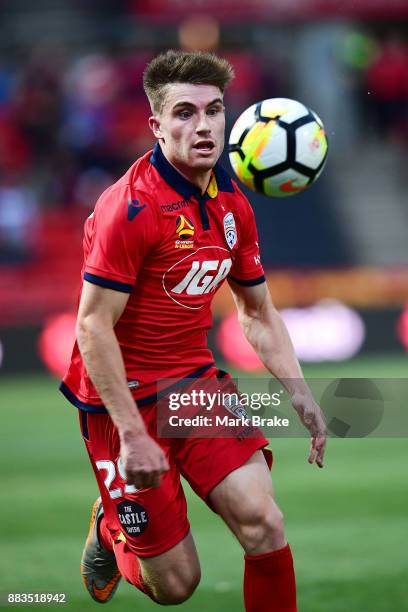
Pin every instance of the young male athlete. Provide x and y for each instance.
(158, 245)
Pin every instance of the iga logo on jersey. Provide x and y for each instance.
(203, 277)
(230, 230)
(192, 281)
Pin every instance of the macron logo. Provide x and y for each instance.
(134, 208)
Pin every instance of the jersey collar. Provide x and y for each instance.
(220, 181)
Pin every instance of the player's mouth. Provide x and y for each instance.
(204, 146)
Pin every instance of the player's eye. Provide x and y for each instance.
(184, 114)
(214, 110)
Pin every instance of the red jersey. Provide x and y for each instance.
(154, 236)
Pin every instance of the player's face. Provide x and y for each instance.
(191, 127)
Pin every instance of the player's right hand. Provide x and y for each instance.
(313, 419)
(143, 460)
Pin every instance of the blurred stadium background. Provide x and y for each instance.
(72, 119)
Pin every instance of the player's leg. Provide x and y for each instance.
(244, 499)
(144, 534)
(173, 576)
(169, 578)
(231, 473)
(232, 476)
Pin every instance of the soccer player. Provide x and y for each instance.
(158, 245)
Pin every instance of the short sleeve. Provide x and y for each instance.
(247, 269)
(121, 232)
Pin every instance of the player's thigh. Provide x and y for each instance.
(250, 481)
(175, 573)
(251, 478)
(244, 499)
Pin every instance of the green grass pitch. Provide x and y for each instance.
(347, 524)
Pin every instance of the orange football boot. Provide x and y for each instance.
(98, 566)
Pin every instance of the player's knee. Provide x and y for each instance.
(261, 527)
(175, 588)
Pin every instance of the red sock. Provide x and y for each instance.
(128, 563)
(129, 567)
(104, 535)
(269, 582)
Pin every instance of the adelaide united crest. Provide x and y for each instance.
(230, 230)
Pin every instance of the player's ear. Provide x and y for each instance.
(155, 126)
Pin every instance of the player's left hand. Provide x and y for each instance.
(313, 419)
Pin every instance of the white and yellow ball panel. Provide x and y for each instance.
(287, 110)
(284, 184)
(311, 145)
(266, 145)
(241, 170)
(244, 121)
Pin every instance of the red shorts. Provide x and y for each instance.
(154, 520)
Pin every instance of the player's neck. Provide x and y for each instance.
(199, 179)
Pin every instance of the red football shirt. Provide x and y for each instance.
(153, 235)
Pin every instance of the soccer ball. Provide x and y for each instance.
(278, 147)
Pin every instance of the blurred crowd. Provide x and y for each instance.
(380, 70)
(67, 129)
(69, 126)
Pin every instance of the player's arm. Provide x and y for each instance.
(99, 310)
(267, 333)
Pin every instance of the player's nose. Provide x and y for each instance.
(203, 124)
